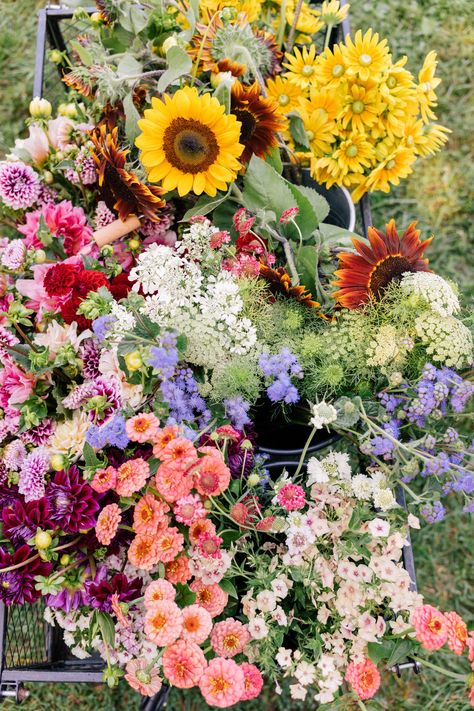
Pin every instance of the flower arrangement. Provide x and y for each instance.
(167, 298)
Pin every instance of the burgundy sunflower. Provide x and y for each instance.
(279, 282)
(122, 190)
(365, 275)
(259, 117)
(82, 80)
(106, 10)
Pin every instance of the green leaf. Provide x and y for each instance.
(204, 206)
(107, 628)
(378, 652)
(184, 596)
(230, 536)
(131, 119)
(306, 265)
(403, 648)
(179, 63)
(265, 189)
(273, 157)
(229, 587)
(128, 65)
(84, 55)
(134, 19)
(319, 204)
(334, 235)
(298, 131)
(90, 456)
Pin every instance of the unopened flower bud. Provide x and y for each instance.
(68, 110)
(56, 56)
(65, 559)
(169, 42)
(57, 462)
(40, 108)
(228, 14)
(40, 256)
(134, 244)
(133, 360)
(253, 480)
(207, 504)
(43, 540)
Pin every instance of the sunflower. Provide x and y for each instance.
(188, 142)
(250, 8)
(365, 276)
(426, 88)
(362, 107)
(301, 66)
(396, 165)
(106, 10)
(284, 93)
(227, 65)
(259, 118)
(330, 68)
(366, 57)
(354, 154)
(279, 282)
(81, 80)
(122, 190)
(318, 130)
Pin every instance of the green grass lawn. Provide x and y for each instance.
(440, 195)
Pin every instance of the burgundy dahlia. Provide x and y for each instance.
(20, 520)
(72, 501)
(100, 593)
(17, 587)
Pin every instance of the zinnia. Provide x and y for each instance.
(222, 683)
(172, 483)
(211, 597)
(229, 637)
(141, 678)
(132, 476)
(143, 552)
(197, 624)
(457, 632)
(177, 570)
(169, 544)
(108, 523)
(431, 627)
(158, 590)
(253, 681)
(149, 515)
(212, 477)
(163, 623)
(143, 427)
(183, 664)
(364, 678)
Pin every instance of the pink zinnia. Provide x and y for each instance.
(149, 515)
(172, 483)
(430, 626)
(132, 476)
(142, 428)
(169, 544)
(64, 221)
(211, 597)
(164, 437)
(158, 590)
(142, 552)
(470, 648)
(457, 632)
(197, 624)
(189, 509)
(208, 545)
(291, 497)
(177, 570)
(199, 528)
(141, 678)
(222, 683)
(163, 623)
(364, 678)
(212, 477)
(229, 637)
(253, 681)
(180, 451)
(104, 480)
(183, 664)
(108, 523)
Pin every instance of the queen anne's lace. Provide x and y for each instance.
(446, 339)
(435, 291)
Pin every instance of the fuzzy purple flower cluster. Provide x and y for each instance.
(282, 367)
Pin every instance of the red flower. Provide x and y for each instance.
(69, 313)
(59, 280)
(17, 587)
(120, 286)
(89, 280)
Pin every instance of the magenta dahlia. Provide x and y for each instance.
(72, 501)
(64, 221)
(17, 587)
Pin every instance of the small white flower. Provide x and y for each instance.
(297, 691)
(257, 628)
(283, 658)
(266, 600)
(323, 414)
(299, 539)
(379, 528)
(362, 486)
(384, 499)
(413, 521)
(305, 673)
(317, 472)
(279, 615)
(280, 588)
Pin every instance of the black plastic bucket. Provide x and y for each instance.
(341, 208)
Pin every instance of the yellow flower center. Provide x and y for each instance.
(310, 134)
(391, 82)
(337, 70)
(410, 141)
(190, 145)
(365, 59)
(283, 99)
(307, 70)
(352, 151)
(391, 164)
(358, 107)
(219, 684)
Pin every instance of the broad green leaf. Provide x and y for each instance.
(265, 189)
(403, 648)
(334, 235)
(128, 65)
(306, 260)
(231, 536)
(228, 587)
(89, 455)
(274, 159)
(319, 204)
(84, 55)
(134, 19)
(378, 652)
(298, 131)
(179, 63)
(184, 596)
(107, 628)
(131, 119)
(204, 206)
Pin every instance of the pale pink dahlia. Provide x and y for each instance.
(364, 678)
(13, 256)
(197, 624)
(141, 678)
(430, 626)
(222, 683)
(19, 185)
(183, 664)
(108, 523)
(189, 509)
(158, 590)
(163, 623)
(457, 632)
(253, 681)
(229, 637)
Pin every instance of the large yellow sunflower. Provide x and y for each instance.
(188, 142)
(366, 57)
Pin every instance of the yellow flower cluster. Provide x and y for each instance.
(366, 118)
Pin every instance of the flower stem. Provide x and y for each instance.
(441, 670)
(291, 36)
(305, 451)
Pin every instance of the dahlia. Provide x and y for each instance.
(183, 664)
(364, 678)
(177, 570)
(189, 509)
(211, 597)
(169, 544)
(64, 221)
(179, 451)
(212, 477)
(17, 587)
(132, 476)
(142, 428)
(197, 624)
(229, 637)
(60, 279)
(457, 632)
(253, 681)
(72, 501)
(32, 480)
(149, 515)
(142, 552)
(141, 678)
(89, 353)
(14, 454)
(158, 590)
(163, 623)
(40, 434)
(101, 591)
(19, 185)
(172, 483)
(107, 523)
(13, 256)
(21, 520)
(291, 497)
(431, 627)
(222, 683)
(104, 480)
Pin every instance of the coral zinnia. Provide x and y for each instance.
(260, 120)
(189, 143)
(121, 190)
(365, 275)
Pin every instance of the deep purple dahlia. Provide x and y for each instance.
(17, 587)
(72, 501)
(20, 520)
(101, 592)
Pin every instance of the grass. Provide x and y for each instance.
(440, 195)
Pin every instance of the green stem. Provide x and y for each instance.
(282, 24)
(305, 451)
(291, 36)
(442, 670)
(328, 36)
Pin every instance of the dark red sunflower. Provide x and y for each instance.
(122, 190)
(228, 65)
(279, 282)
(82, 80)
(106, 10)
(259, 118)
(364, 276)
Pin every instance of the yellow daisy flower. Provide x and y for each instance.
(366, 57)
(308, 20)
(188, 142)
(325, 99)
(301, 66)
(362, 107)
(426, 87)
(319, 131)
(354, 154)
(332, 13)
(285, 93)
(326, 171)
(399, 84)
(330, 68)
(435, 137)
(395, 166)
(251, 8)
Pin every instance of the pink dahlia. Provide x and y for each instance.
(229, 637)
(32, 478)
(19, 185)
(431, 627)
(107, 524)
(16, 386)
(291, 497)
(189, 509)
(457, 632)
(141, 678)
(253, 681)
(364, 678)
(211, 597)
(13, 256)
(163, 623)
(222, 683)
(157, 591)
(64, 221)
(183, 664)
(197, 624)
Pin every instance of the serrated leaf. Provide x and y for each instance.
(204, 206)
(298, 131)
(84, 55)
(334, 235)
(179, 63)
(319, 204)
(265, 189)
(128, 65)
(273, 157)
(131, 119)
(229, 587)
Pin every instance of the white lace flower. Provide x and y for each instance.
(447, 340)
(362, 486)
(323, 414)
(434, 291)
(384, 499)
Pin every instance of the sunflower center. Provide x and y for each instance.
(283, 99)
(391, 82)
(307, 70)
(337, 70)
(352, 151)
(189, 145)
(358, 107)
(249, 124)
(365, 59)
(385, 271)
